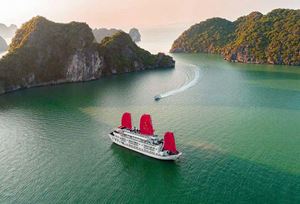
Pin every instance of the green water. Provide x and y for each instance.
(238, 129)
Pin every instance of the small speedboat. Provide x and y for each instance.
(157, 97)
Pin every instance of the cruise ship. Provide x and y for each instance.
(144, 140)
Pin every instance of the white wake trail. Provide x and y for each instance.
(186, 85)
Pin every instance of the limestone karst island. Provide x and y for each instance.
(44, 53)
(136, 101)
(273, 38)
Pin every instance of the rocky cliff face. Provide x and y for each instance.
(44, 53)
(84, 67)
(3, 45)
(256, 38)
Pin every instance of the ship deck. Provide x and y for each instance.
(134, 134)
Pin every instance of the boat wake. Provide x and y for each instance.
(188, 84)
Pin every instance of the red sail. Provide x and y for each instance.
(146, 127)
(169, 142)
(126, 121)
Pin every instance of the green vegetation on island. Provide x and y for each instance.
(273, 38)
(122, 55)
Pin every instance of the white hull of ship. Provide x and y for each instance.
(156, 156)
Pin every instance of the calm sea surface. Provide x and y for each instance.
(237, 125)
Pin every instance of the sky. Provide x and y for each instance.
(134, 13)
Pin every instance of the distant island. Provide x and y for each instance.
(101, 33)
(7, 31)
(3, 45)
(45, 53)
(273, 38)
(135, 34)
